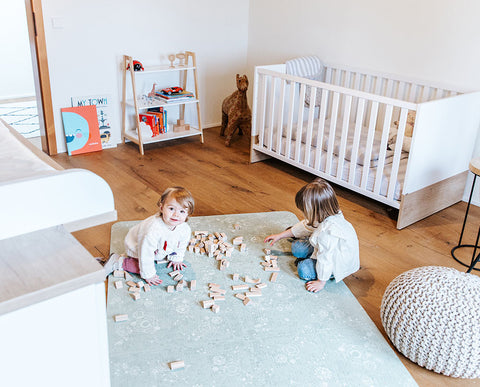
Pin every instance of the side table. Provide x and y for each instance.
(474, 167)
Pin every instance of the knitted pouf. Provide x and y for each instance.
(432, 316)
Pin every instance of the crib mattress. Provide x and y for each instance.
(345, 171)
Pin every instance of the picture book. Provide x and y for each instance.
(81, 128)
(104, 114)
(152, 121)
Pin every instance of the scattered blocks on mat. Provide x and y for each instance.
(118, 284)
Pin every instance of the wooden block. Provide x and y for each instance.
(179, 287)
(190, 248)
(237, 240)
(267, 251)
(170, 289)
(246, 301)
(243, 247)
(212, 285)
(271, 268)
(218, 297)
(240, 296)
(235, 276)
(223, 237)
(146, 287)
(135, 296)
(120, 317)
(193, 284)
(215, 308)
(249, 280)
(133, 289)
(217, 291)
(182, 282)
(273, 277)
(140, 284)
(178, 277)
(239, 287)
(228, 253)
(118, 284)
(131, 283)
(119, 274)
(207, 303)
(236, 226)
(175, 365)
(217, 235)
(261, 285)
(174, 273)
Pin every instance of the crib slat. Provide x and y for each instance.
(383, 149)
(343, 140)
(369, 144)
(356, 140)
(291, 111)
(279, 126)
(331, 137)
(260, 116)
(398, 152)
(311, 113)
(321, 129)
(271, 116)
(298, 138)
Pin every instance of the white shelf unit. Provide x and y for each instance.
(138, 104)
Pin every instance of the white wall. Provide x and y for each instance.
(16, 74)
(436, 40)
(84, 56)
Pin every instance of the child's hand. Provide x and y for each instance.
(272, 239)
(155, 280)
(315, 286)
(177, 265)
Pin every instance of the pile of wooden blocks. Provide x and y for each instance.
(181, 283)
(215, 245)
(133, 287)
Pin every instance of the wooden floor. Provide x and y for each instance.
(224, 182)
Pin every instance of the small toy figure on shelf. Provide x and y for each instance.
(171, 58)
(137, 66)
(152, 93)
(181, 57)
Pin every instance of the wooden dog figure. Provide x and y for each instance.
(235, 111)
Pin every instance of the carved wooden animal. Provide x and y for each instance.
(236, 113)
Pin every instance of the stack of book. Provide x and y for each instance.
(155, 119)
(174, 97)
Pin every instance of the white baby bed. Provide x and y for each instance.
(353, 120)
(36, 193)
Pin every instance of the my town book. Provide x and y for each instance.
(81, 128)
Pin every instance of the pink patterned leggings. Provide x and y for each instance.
(131, 265)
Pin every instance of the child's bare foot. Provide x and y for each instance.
(315, 286)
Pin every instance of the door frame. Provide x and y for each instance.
(38, 47)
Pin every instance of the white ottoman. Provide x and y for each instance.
(432, 316)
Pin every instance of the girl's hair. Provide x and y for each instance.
(181, 195)
(317, 201)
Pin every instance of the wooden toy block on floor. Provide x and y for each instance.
(215, 308)
(246, 301)
(175, 365)
(119, 274)
(239, 287)
(193, 284)
(131, 284)
(146, 288)
(273, 277)
(120, 317)
(170, 289)
(237, 240)
(207, 303)
(135, 296)
(118, 284)
(235, 276)
(240, 296)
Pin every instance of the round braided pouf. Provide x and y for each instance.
(432, 316)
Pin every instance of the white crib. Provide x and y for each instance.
(350, 115)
